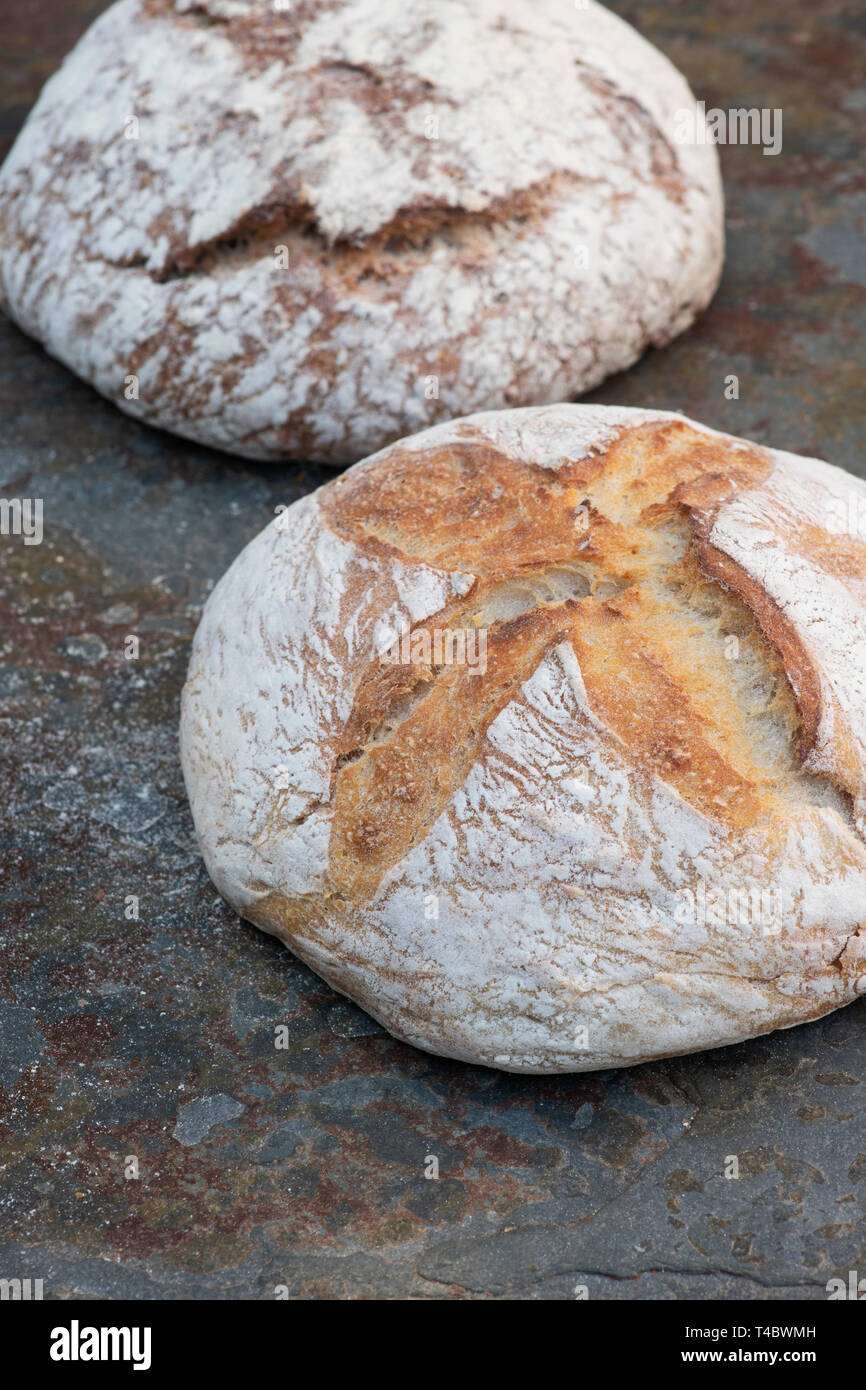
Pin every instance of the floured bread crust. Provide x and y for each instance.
(638, 831)
(481, 204)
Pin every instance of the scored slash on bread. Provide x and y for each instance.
(674, 703)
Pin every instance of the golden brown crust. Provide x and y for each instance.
(470, 508)
(613, 519)
(385, 800)
(702, 499)
(650, 710)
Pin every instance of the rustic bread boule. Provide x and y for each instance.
(306, 230)
(637, 828)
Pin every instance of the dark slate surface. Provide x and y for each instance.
(154, 1039)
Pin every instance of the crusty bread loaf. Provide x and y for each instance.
(637, 829)
(305, 231)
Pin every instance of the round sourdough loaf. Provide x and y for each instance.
(304, 231)
(542, 736)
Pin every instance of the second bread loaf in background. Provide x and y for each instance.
(304, 232)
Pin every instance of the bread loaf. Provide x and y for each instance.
(623, 816)
(306, 230)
